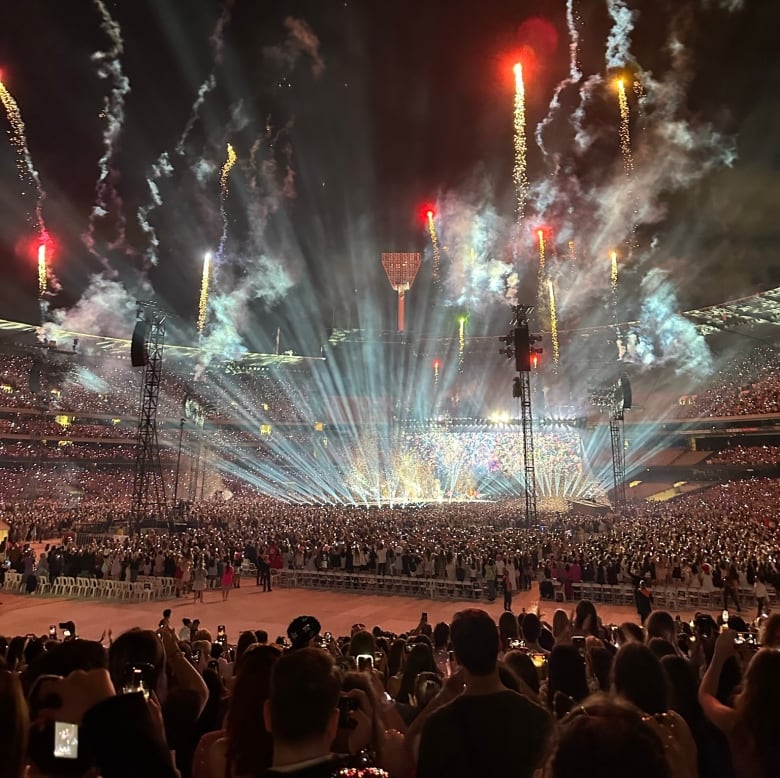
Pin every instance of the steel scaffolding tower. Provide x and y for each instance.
(618, 457)
(527, 424)
(149, 498)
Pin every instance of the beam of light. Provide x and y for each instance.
(435, 243)
(520, 170)
(203, 300)
(553, 323)
(41, 270)
(625, 128)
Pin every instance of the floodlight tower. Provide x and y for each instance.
(401, 268)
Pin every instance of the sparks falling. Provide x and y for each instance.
(542, 251)
(461, 342)
(520, 171)
(553, 322)
(41, 270)
(625, 130)
(613, 276)
(203, 301)
(225, 172)
(572, 251)
(435, 243)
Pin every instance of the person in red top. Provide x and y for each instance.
(227, 580)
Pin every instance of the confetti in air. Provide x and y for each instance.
(203, 300)
(625, 128)
(553, 322)
(435, 243)
(520, 172)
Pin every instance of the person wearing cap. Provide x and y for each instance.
(302, 631)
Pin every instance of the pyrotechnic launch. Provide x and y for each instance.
(625, 128)
(429, 215)
(520, 170)
(203, 301)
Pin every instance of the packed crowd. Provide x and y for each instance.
(724, 537)
(747, 455)
(747, 385)
(567, 699)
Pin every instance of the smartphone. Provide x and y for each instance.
(196, 657)
(424, 617)
(378, 656)
(66, 740)
(134, 682)
(328, 637)
(745, 638)
(578, 641)
(346, 706)
(365, 662)
(52, 631)
(66, 633)
(221, 634)
(724, 617)
(516, 643)
(408, 648)
(539, 660)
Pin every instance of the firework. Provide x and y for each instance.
(613, 276)
(572, 251)
(41, 269)
(625, 130)
(520, 173)
(435, 243)
(542, 251)
(461, 341)
(203, 301)
(225, 172)
(553, 322)
(436, 366)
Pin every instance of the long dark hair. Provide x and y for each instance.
(566, 679)
(638, 676)
(419, 660)
(250, 747)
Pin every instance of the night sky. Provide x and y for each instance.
(403, 103)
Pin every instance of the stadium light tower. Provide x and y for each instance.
(401, 269)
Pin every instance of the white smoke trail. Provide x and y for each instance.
(107, 199)
(162, 168)
(618, 53)
(575, 74)
(217, 40)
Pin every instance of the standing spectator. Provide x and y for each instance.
(760, 590)
(644, 601)
(467, 734)
(731, 588)
(508, 586)
(198, 582)
(227, 580)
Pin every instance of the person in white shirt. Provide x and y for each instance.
(759, 589)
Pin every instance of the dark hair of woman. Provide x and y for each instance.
(13, 733)
(418, 660)
(637, 676)
(396, 656)
(523, 667)
(507, 629)
(586, 620)
(441, 635)
(612, 733)
(250, 747)
(567, 683)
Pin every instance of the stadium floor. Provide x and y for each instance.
(251, 608)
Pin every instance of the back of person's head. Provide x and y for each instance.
(758, 709)
(418, 660)
(629, 631)
(601, 665)
(523, 667)
(567, 681)
(305, 692)
(660, 647)
(262, 636)
(136, 647)
(611, 735)
(683, 688)
(475, 641)
(531, 627)
(395, 657)
(769, 636)
(507, 627)
(362, 642)
(441, 635)
(249, 743)
(660, 624)
(245, 639)
(63, 658)
(637, 676)
(16, 724)
(586, 620)
(560, 621)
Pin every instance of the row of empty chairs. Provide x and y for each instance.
(432, 588)
(145, 588)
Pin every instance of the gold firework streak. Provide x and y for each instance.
(203, 301)
(520, 170)
(435, 243)
(225, 172)
(542, 251)
(613, 276)
(625, 130)
(553, 322)
(461, 342)
(41, 269)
